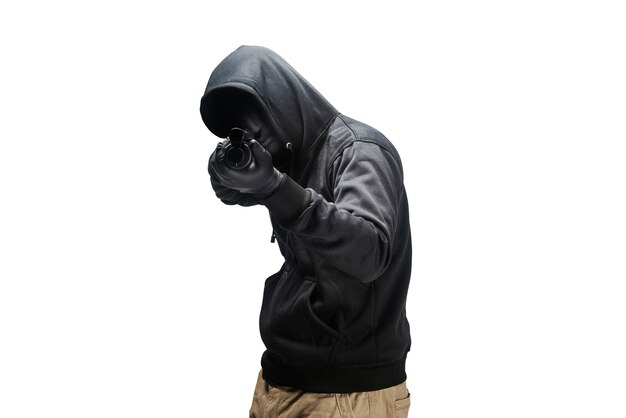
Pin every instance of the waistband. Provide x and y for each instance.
(335, 380)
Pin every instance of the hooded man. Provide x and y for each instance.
(333, 318)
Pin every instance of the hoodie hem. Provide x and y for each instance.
(333, 380)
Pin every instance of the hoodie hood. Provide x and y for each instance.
(292, 107)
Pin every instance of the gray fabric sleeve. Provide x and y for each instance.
(355, 232)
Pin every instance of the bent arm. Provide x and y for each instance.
(353, 233)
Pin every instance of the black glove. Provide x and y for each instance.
(231, 196)
(227, 195)
(260, 178)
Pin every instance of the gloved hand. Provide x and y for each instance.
(226, 195)
(231, 196)
(260, 178)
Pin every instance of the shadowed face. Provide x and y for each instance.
(250, 119)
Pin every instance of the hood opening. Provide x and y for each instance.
(294, 110)
(220, 108)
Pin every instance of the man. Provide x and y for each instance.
(333, 318)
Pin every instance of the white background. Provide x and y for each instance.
(128, 290)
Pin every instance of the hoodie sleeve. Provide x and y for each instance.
(355, 232)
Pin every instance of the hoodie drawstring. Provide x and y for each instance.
(290, 149)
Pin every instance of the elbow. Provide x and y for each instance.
(375, 260)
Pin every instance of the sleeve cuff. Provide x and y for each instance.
(288, 201)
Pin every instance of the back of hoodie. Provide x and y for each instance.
(333, 318)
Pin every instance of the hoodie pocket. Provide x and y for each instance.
(289, 326)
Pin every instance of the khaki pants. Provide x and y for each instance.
(284, 402)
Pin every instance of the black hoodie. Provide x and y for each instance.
(333, 318)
